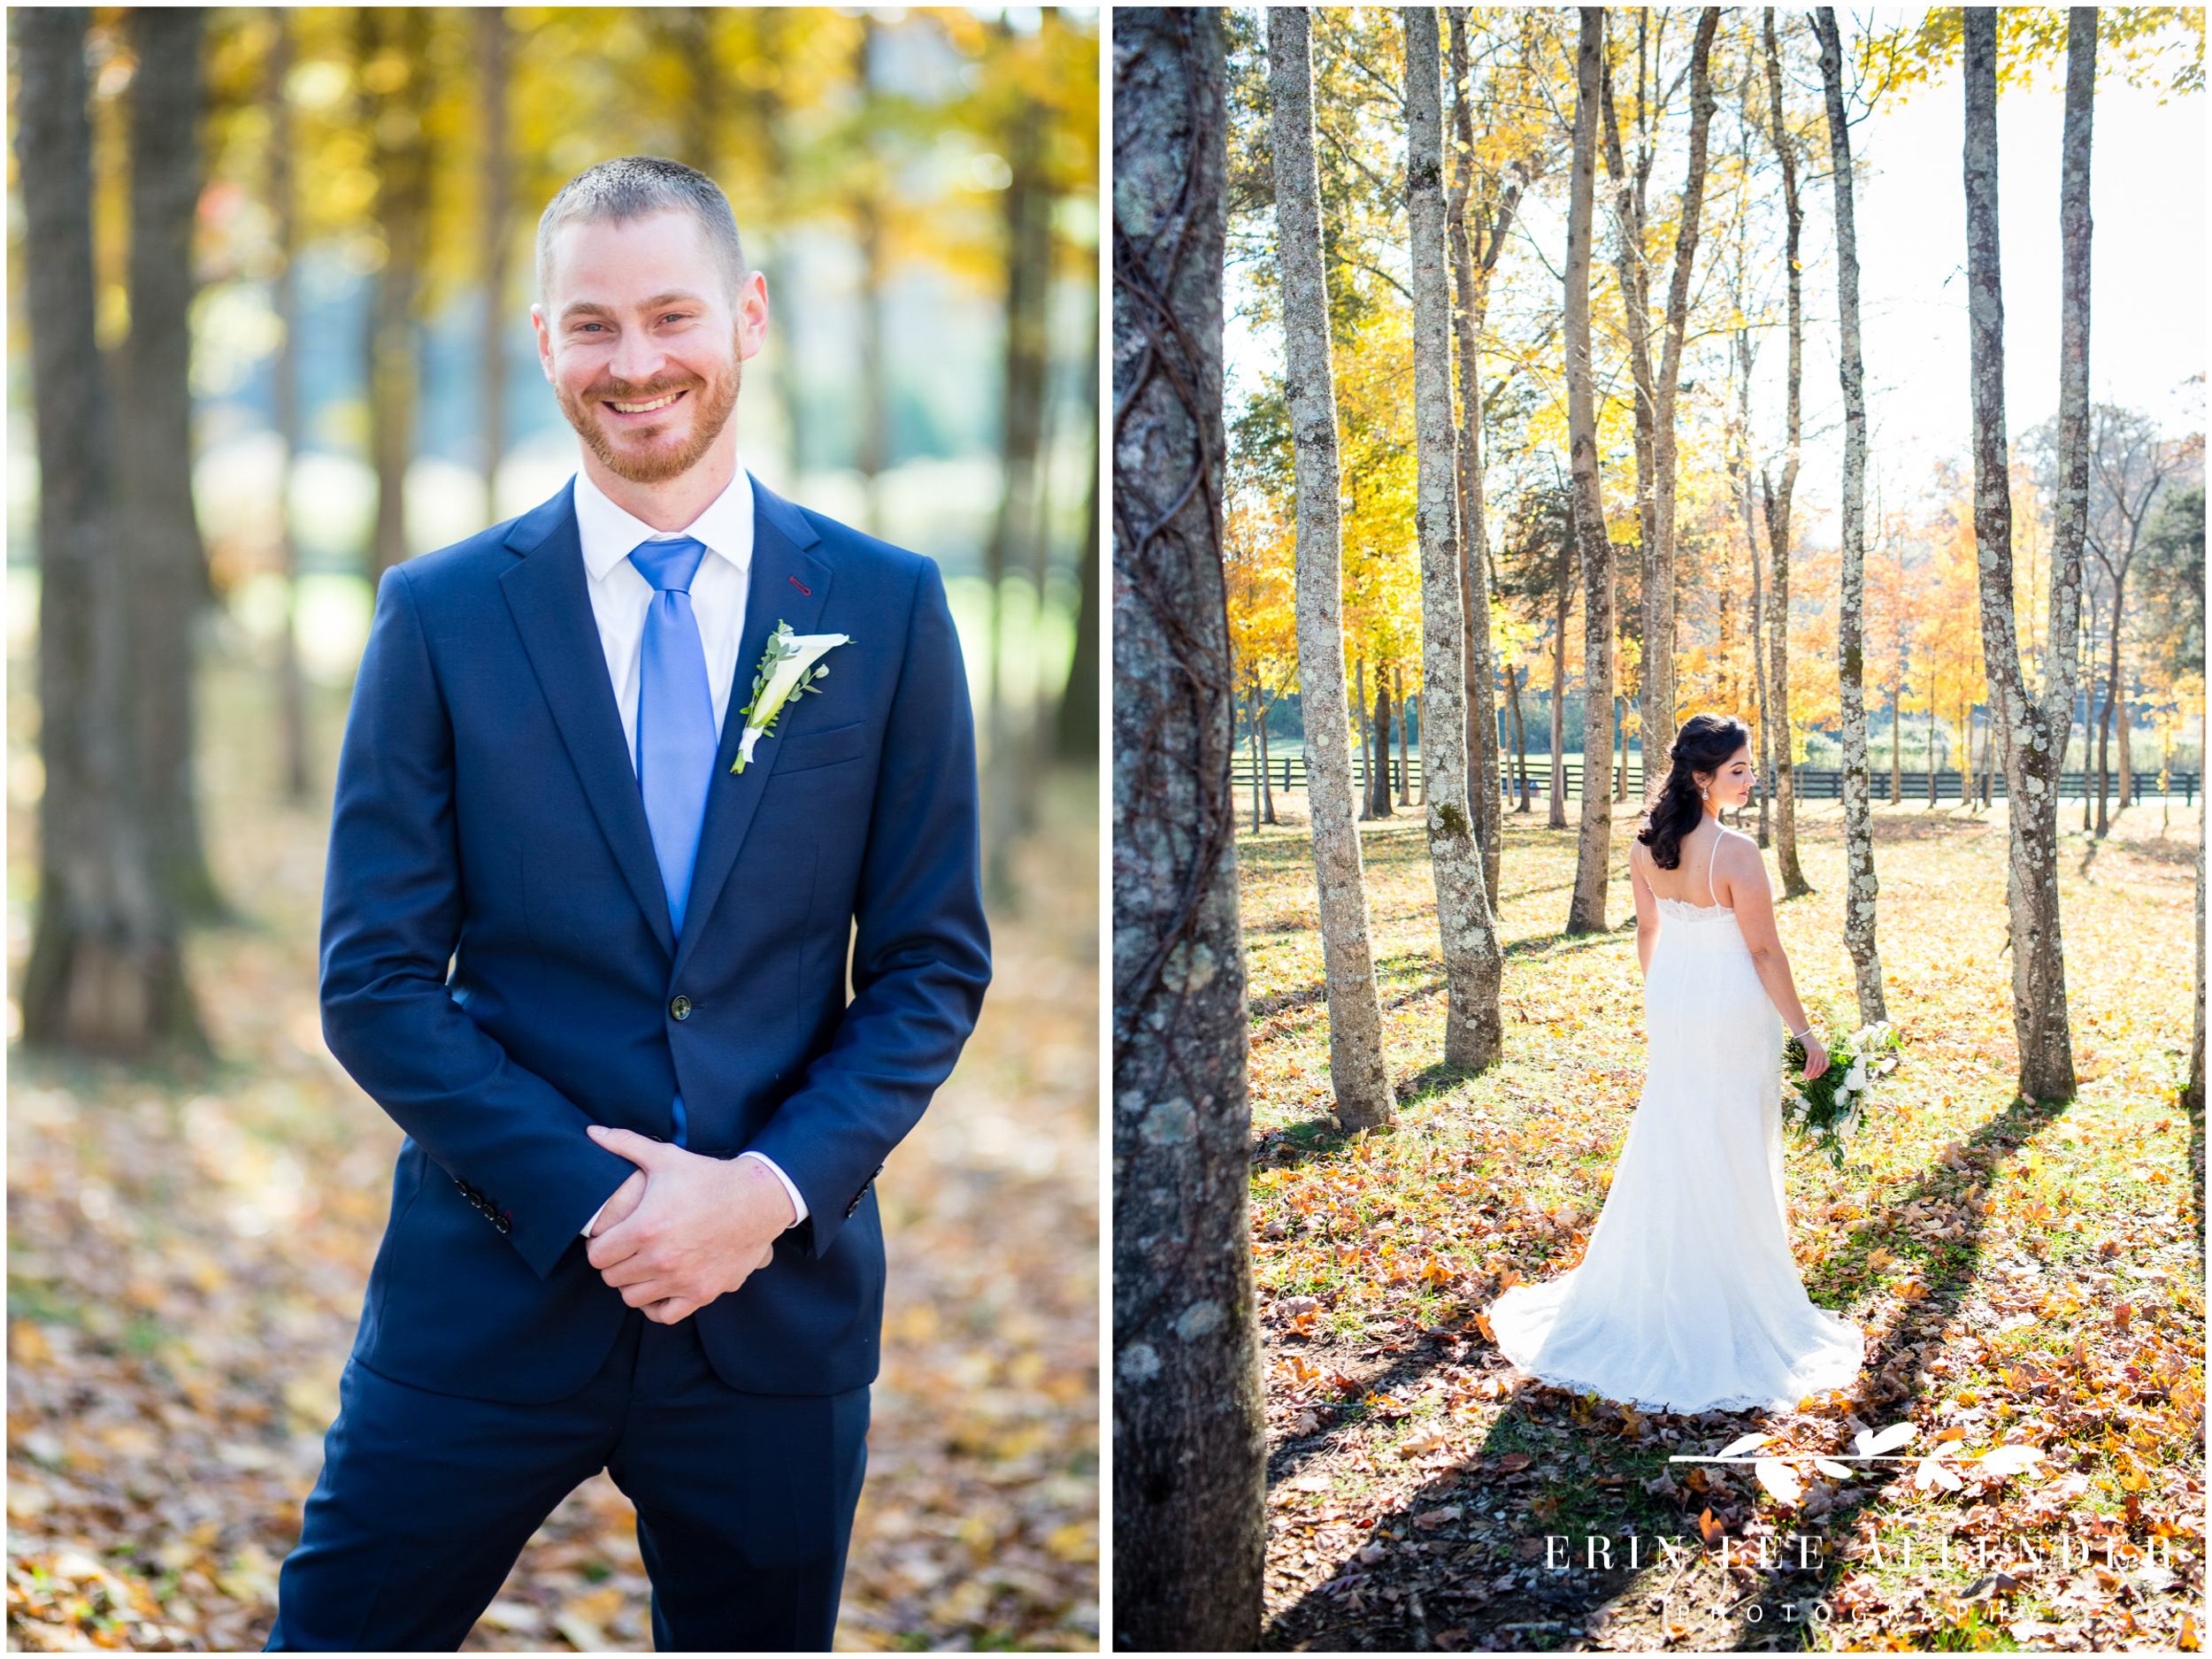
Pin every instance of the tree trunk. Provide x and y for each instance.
(1405, 758)
(2031, 746)
(1620, 750)
(498, 183)
(1861, 887)
(401, 160)
(2126, 771)
(1023, 406)
(690, 39)
(1742, 467)
(292, 759)
(1659, 632)
(1558, 819)
(1356, 1057)
(2111, 698)
(1474, 965)
(1594, 851)
(1076, 720)
(153, 436)
(1379, 802)
(773, 44)
(1896, 740)
(1989, 754)
(1780, 537)
(1929, 805)
(2193, 1090)
(1267, 784)
(1635, 284)
(1189, 1437)
(1358, 717)
(106, 973)
(1017, 528)
(1483, 781)
(1514, 680)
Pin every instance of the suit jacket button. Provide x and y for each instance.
(681, 1007)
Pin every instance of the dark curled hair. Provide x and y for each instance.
(1703, 744)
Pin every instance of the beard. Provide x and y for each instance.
(643, 460)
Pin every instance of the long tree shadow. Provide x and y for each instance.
(1468, 1562)
(1899, 1352)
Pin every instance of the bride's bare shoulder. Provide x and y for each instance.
(1737, 855)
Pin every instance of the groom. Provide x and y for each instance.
(587, 942)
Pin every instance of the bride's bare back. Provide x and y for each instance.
(1695, 881)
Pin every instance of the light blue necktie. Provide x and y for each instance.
(675, 725)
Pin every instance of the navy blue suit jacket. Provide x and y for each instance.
(498, 970)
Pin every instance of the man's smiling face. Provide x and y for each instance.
(644, 342)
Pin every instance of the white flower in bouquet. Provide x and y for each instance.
(1854, 1079)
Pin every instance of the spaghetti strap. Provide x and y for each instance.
(1708, 869)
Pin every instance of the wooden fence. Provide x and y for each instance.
(1812, 783)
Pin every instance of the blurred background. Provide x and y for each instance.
(296, 245)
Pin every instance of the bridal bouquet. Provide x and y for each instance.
(1825, 1109)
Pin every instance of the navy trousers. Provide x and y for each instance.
(744, 1502)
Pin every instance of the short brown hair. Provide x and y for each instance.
(636, 187)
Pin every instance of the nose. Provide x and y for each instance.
(637, 358)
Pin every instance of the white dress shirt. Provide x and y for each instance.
(620, 597)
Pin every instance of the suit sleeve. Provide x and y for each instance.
(393, 908)
(921, 951)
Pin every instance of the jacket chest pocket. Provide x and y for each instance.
(812, 751)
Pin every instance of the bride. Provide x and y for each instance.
(1688, 1299)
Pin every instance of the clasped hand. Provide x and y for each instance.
(684, 1229)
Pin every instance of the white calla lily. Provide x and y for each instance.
(787, 668)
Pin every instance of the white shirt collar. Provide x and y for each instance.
(609, 534)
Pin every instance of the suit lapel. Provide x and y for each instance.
(787, 584)
(552, 611)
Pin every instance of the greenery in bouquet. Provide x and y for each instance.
(1825, 1109)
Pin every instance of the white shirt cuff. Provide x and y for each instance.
(798, 1202)
(596, 1214)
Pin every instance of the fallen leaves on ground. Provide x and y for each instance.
(2029, 1277)
(188, 1245)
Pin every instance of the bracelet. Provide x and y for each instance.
(1800, 1035)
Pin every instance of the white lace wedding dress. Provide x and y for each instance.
(1688, 1299)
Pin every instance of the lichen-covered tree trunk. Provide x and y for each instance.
(154, 439)
(1355, 1058)
(1593, 849)
(2031, 728)
(1474, 966)
(1189, 1440)
(1484, 762)
(1861, 887)
(1780, 534)
(106, 972)
(1659, 627)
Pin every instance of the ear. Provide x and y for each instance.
(545, 339)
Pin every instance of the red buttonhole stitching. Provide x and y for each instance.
(801, 586)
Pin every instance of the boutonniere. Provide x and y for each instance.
(791, 664)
